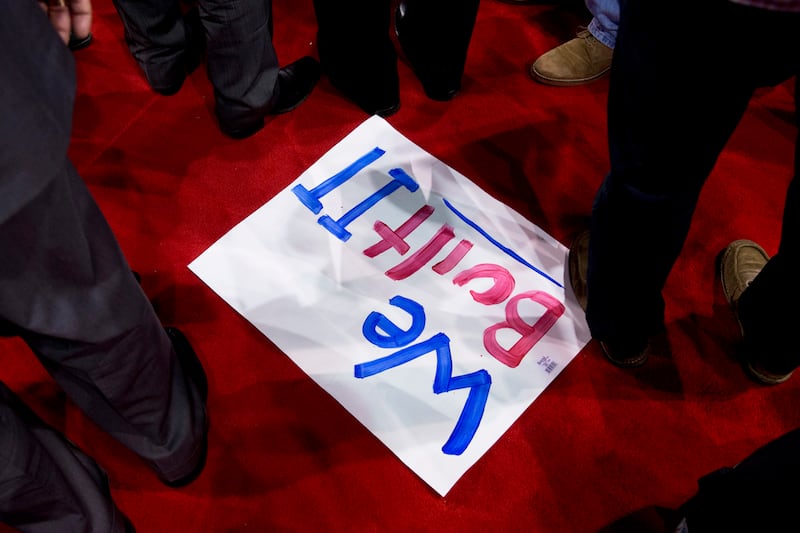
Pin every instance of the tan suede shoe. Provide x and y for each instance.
(740, 263)
(579, 61)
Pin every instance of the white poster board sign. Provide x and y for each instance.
(432, 312)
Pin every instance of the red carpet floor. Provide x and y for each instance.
(597, 447)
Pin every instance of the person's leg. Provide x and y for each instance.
(46, 483)
(665, 133)
(165, 44)
(585, 58)
(64, 285)
(67, 288)
(758, 494)
(435, 36)
(242, 63)
(771, 349)
(605, 20)
(357, 53)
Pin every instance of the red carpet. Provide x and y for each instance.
(599, 444)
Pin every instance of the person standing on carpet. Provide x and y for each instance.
(67, 291)
(758, 494)
(242, 64)
(359, 58)
(673, 104)
(585, 58)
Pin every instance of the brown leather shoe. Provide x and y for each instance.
(578, 262)
(740, 263)
(581, 60)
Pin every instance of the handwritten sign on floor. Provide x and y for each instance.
(432, 312)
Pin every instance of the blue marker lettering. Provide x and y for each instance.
(478, 382)
(395, 337)
(337, 227)
(311, 198)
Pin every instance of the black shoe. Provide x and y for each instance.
(196, 471)
(440, 82)
(628, 356)
(363, 69)
(194, 373)
(76, 43)
(188, 360)
(127, 524)
(295, 82)
(241, 129)
(382, 101)
(379, 96)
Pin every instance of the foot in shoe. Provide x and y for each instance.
(626, 357)
(295, 83)
(739, 264)
(376, 92)
(381, 103)
(195, 377)
(579, 61)
(189, 362)
(760, 374)
(78, 43)
(241, 129)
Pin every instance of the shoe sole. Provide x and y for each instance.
(634, 362)
(564, 83)
(761, 377)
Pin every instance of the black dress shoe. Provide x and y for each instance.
(295, 82)
(241, 129)
(363, 67)
(375, 97)
(196, 471)
(76, 43)
(371, 82)
(196, 375)
(188, 360)
(7, 329)
(127, 524)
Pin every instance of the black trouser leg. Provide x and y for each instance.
(47, 485)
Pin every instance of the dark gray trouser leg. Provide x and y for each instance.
(47, 485)
(758, 494)
(157, 38)
(65, 284)
(767, 308)
(242, 63)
